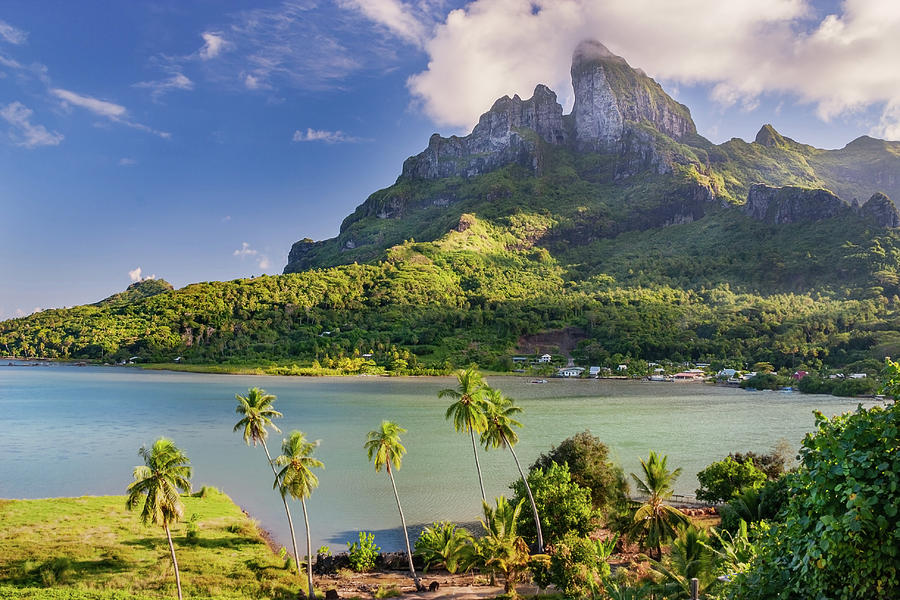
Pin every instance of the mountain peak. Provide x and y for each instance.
(768, 137)
(591, 51)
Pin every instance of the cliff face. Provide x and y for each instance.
(495, 141)
(609, 94)
(791, 204)
(610, 97)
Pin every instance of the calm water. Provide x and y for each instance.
(68, 431)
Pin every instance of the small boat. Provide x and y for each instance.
(538, 381)
(657, 378)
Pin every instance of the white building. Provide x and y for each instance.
(545, 358)
(594, 371)
(570, 371)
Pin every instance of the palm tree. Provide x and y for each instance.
(383, 445)
(257, 411)
(466, 412)
(499, 432)
(691, 557)
(502, 549)
(166, 470)
(297, 479)
(655, 522)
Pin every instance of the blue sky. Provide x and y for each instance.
(198, 140)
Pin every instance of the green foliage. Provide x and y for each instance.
(766, 381)
(443, 544)
(363, 553)
(654, 522)
(773, 464)
(192, 529)
(563, 505)
(323, 551)
(752, 505)
(390, 591)
(890, 375)
(690, 557)
(722, 480)
(578, 565)
(502, 550)
(590, 467)
(838, 538)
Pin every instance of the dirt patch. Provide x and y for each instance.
(559, 341)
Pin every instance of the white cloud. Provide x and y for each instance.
(245, 250)
(329, 137)
(135, 274)
(25, 133)
(400, 18)
(23, 313)
(11, 34)
(263, 262)
(98, 107)
(110, 110)
(178, 81)
(213, 44)
(743, 48)
(127, 162)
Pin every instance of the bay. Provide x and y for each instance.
(71, 431)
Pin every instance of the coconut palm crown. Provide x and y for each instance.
(256, 407)
(166, 470)
(384, 447)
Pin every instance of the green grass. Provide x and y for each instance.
(93, 548)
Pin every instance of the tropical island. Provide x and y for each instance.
(611, 234)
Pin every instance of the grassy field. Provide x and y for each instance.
(92, 548)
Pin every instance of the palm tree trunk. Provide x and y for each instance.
(312, 593)
(537, 519)
(286, 510)
(174, 560)
(412, 569)
(477, 466)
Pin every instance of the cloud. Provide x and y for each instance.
(398, 17)
(25, 133)
(135, 275)
(110, 110)
(245, 250)
(178, 81)
(329, 137)
(262, 261)
(22, 313)
(840, 63)
(12, 35)
(127, 162)
(213, 44)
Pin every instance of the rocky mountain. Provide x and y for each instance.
(627, 158)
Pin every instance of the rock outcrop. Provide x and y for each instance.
(611, 100)
(609, 94)
(498, 139)
(882, 210)
(790, 204)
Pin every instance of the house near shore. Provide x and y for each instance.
(594, 371)
(570, 371)
(857, 375)
(726, 373)
(690, 375)
(545, 358)
(622, 368)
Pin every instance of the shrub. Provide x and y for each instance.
(839, 535)
(766, 381)
(192, 530)
(364, 553)
(755, 504)
(564, 506)
(722, 480)
(590, 467)
(577, 565)
(444, 544)
(390, 591)
(323, 551)
(56, 571)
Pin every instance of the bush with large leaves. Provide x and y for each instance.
(590, 466)
(839, 538)
(564, 506)
(724, 479)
